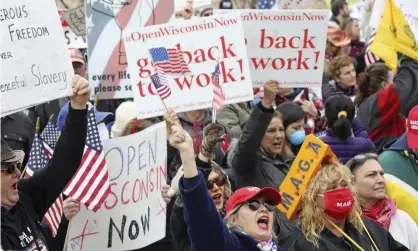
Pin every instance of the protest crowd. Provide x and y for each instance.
(327, 166)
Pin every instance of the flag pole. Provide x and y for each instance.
(96, 101)
(38, 126)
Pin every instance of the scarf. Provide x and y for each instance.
(381, 212)
(268, 245)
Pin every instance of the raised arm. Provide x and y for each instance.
(206, 229)
(254, 131)
(45, 186)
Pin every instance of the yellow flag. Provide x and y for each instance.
(394, 35)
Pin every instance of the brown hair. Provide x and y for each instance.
(338, 63)
(370, 81)
(136, 125)
(348, 25)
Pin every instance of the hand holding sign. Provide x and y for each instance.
(271, 88)
(81, 93)
(307, 163)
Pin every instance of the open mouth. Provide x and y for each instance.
(263, 222)
(277, 144)
(14, 186)
(217, 198)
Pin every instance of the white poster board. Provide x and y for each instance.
(289, 44)
(36, 66)
(200, 43)
(105, 22)
(134, 214)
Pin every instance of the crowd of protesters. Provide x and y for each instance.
(223, 177)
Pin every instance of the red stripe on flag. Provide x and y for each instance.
(94, 172)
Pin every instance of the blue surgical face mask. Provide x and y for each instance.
(297, 137)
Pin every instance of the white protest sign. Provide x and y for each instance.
(197, 4)
(408, 8)
(105, 21)
(199, 43)
(285, 45)
(134, 214)
(75, 19)
(36, 66)
(73, 41)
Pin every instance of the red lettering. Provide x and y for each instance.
(143, 88)
(263, 37)
(114, 196)
(226, 51)
(281, 62)
(210, 55)
(301, 63)
(143, 63)
(151, 184)
(124, 202)
(291, 40)
(139, 191)
(227, 76)
(307, 41)
(206, 80)
(200, 53)
(186, 81)
(261, 61)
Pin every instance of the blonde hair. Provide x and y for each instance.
(312, 218)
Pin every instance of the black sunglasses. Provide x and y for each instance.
(10, 168)
(361, 159)
(219, 181)
(254, 205)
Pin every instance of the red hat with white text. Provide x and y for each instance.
(244, 194)
(412, 126)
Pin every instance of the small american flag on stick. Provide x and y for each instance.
(90, 184)
(218, 96)
(160, 83)
(38, 159)
(169, 60)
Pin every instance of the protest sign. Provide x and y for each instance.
(73, 41)
(188, 52)
(134, 214)
(36, 67)
(197, 4)
(312, 155)
(105, 21)
(288, 44)
(76, 21)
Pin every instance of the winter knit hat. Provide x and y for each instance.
(123, 115)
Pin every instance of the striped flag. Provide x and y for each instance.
(218, 96)
(160, 83)
(169, 60)
(90, 184)
(369, 56)
(38, 159)
(50, 136)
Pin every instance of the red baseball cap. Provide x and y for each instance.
(412, 124)
(246, 193)
(76, 56)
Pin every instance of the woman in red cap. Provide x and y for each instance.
(250, 211)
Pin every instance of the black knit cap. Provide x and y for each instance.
(291, 113)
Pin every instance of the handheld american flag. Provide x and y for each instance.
(266, 4)
(169, 60)
(218, 96)
(38, 159)
(369, 56)
(160, 83)
(90, 184)
(50, 136)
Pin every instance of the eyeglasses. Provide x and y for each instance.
(10, 168)
(361, 159)
(254, 205)
(219, 181)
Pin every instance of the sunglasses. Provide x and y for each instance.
(254, 205)
(208, 14)
(361, 159)
(10, 168)
(219, 181)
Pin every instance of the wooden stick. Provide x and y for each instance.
(96, 100)
(37, 128)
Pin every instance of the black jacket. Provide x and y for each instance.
(329, 242)
(250, 166)
(18, 132)
(20, 226)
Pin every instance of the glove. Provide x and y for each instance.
(174, 189)
(212, 134)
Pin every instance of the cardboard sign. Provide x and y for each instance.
(194, 47)
(312, 155)
(35, 65)
(105, 21)
(73, 41)
(76, 20)
(133, 215)
(289, 44)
